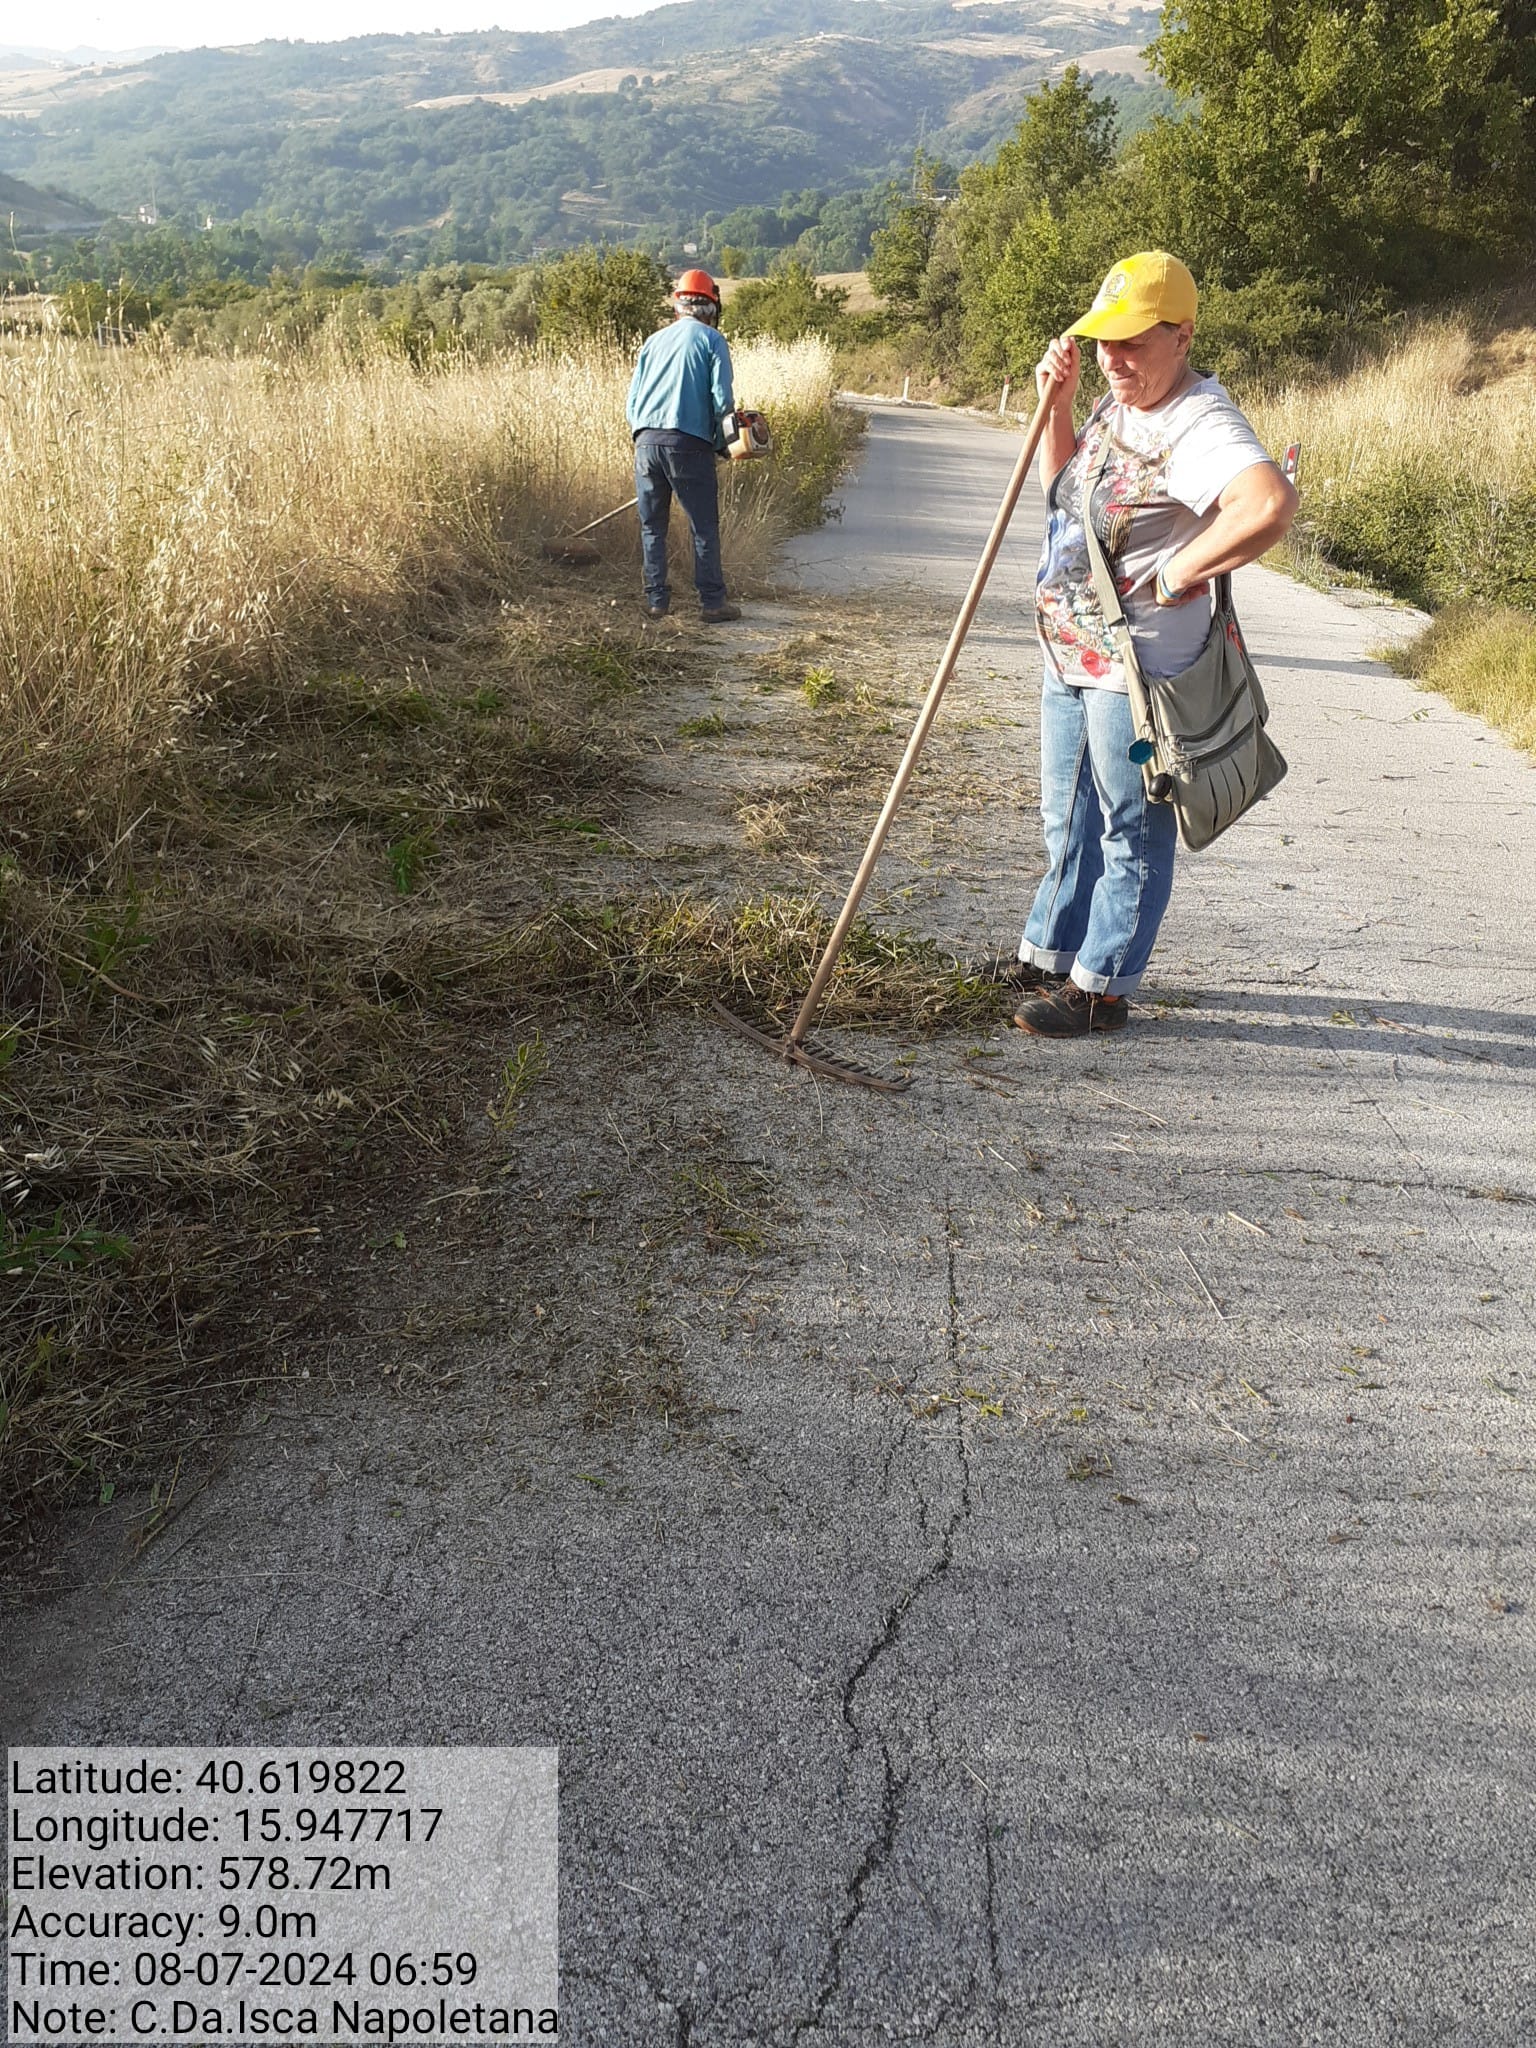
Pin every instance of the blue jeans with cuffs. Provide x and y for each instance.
(1098, 909)
(671, 463)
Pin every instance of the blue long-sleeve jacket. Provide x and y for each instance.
(683, 381)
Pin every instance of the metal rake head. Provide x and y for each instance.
(813, 1057)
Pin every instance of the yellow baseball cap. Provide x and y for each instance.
(1137, 294)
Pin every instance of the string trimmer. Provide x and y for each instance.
(795, 1044)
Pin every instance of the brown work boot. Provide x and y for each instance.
(720, 614)
(1072, 1012)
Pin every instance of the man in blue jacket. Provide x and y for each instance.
(678, 398)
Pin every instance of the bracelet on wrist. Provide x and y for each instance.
(1165, 592)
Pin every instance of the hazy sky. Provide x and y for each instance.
(130, 24)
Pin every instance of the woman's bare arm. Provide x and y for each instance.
(1253, 512)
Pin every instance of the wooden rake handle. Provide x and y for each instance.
(930, 711)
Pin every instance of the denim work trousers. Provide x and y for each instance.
(668, 462)
(1111, 852)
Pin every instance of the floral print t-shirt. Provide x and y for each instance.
(1167, 467)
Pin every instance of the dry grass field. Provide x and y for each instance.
(170, 522)
(861, 299)
(298, 734)
(605, 79)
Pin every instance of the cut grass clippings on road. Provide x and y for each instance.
(103, 1329)
(632, 956)
(260, 1014)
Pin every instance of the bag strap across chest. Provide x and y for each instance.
(1105, 589)
(1202, 747)
(1114, 610)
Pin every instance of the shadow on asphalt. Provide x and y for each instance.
(1492, 1038)
(1279, 658)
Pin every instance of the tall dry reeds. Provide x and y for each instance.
(169, 521)
(259, 752)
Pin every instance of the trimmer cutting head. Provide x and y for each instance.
(572, 550)
(571, 554)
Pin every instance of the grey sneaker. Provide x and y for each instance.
(720, 614)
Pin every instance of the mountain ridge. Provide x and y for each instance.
(491, 146)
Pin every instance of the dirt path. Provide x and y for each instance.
(1043, 1558)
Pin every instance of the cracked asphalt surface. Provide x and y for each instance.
(1084, 1596)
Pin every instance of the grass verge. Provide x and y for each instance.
(170, 524)
(253, 993)
(293, 733)
(1483, 661)
(298, 968)
(1417, 476)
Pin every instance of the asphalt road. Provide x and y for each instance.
(1093, 1604)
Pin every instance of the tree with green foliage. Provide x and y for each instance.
(843, 234)
(1018, 251)
(1065, 138)
(785, 304)
(1379, 141)
(1331, 158)
(900, 253)
(622, 294)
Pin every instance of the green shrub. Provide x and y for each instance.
(610, 294)
(784, 305)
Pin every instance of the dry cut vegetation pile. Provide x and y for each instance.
(298, 740)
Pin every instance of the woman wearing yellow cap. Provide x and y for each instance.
(1183, 492)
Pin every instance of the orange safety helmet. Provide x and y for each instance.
(696, 284)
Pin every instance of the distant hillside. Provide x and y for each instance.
(81, 54)
(27, 212)
(489, 146)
